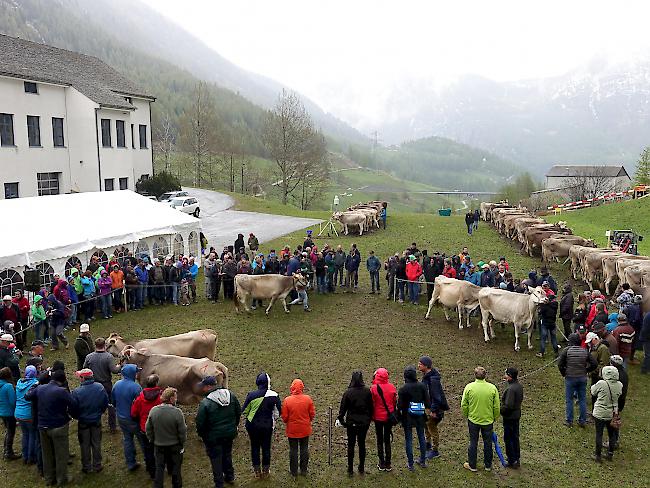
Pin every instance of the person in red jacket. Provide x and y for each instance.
(383, 408)
(449, 270)
(142, 405)
(298, 412)
(624, 335)
(413, 273)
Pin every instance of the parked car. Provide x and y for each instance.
(188, 205)
(166, 197)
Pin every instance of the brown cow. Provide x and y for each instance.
(534, 238)
(194, 344)
(265, 287)
(555, 248)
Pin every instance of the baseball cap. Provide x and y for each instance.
(6, 297)
(485, 266)
(84, 328)
(208, 381)
(591, 336)
(84, 373)
(7, 338)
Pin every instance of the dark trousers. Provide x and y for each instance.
(89, 307)
(117, 299)
(220, 454)
(169, 457)
(486, 433)
(90, 444)
(112, 421)
(260, 440)
(566, 323)
(148, 454)
(511, 439)
(10, 433)
(357, 435)
(30, 434)
(228, 288)
(132, 297)
(601, 425)
(294, 444)
(56, 453)
(384, 451)
(374, 280)
(645, 365)
(391, 286)
(216, 288)
(429, 291)
(338, 273)
(56, 331)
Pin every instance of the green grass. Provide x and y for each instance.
(361, 331)
(593, 222)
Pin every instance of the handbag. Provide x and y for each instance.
(616, 421)
(392, 418)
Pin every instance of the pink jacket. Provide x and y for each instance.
(390, 395)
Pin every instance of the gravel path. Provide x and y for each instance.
(221, 225)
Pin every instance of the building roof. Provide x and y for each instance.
(87, 74)
(601, 170)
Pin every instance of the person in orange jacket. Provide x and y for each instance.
(298, 412)
(413, 273)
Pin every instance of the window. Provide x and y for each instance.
(109, 184)
(119, 130)
(48, 183)
(178, 245)
(34, 130)
(160, 248)
(73, 262)
(142, 249)
(47, 274)
(106, 133)
(10, 282)
(30, 87)
(7, 129)
(143, 137)
(124, 183)
(11, 190)
(193, 244)
(101, 257)
(57, 132)
(132, 137)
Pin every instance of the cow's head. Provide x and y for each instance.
(590, 243)
(115, 344)
(537, 295)
(299, 280)
(337, 215)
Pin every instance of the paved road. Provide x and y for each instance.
(221, 225)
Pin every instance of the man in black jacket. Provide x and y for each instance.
(644, 341)
(438, 408)
(511, 401)
(566, 309)
(429, 270)
(548, 315)
(574, 364)
(413, 401)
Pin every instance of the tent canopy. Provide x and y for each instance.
(59, 226)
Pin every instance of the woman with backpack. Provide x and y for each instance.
(355, 415)
(413, 401)
(384, 400)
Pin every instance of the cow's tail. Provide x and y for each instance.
(234, 294)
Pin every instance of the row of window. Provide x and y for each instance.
(48, 184)
(33, 131)
(120, 135)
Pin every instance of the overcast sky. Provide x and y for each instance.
(323, 48)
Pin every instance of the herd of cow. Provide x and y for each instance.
(362, 216)
(555, 243)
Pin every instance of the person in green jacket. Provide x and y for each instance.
(480, 404)
(78, 287)
(39, 317)
(606, 393)
(216, 424)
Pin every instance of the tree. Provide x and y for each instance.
(165, 143)
(158, 184)
(589, 182)
(289, 138)
(314, 172)
(642, 175)
(520, 189)
(199, 131)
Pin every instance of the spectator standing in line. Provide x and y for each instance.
(413, 401)
(373, 265)
(142, 405)
(566, 309)
(298, 413)
(321, 272)
(7, 410)
(384, 399)
(105, 285)
(117, 287)
(9, 356)
(413, 273)
(193, 274)
(439, 405)
(39, 317)
(90, 402)
(167, 431)
(644, 341)
(544, 275)
(355, 414)
(624, 336)
(229, 271)
(511, 401)
(605, 336)
(24, 414)
(548, 316)
(429, 271)
(55, 406)
(391, 269)
(480, 405)
(574, 363)
(83, 345)
(216, 424)
(142, 273)
(123, 395)
(606, 392)
(339, 263)
(352, 262)
(210, 273)
(600, 352)
(253, 243)
(22, 302)
(10, 311)
(383, 214)
(103, 366)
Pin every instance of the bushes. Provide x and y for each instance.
(158, 184)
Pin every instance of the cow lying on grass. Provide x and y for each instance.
(195, 344)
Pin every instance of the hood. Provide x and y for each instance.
(610, 373)
(381, 377)
(357, 380)
(574, 339)
(24, 384)
(37, 298)
(150, 394)
(220, 396)
(613, 318)
(63, 283)
(532, 275)
(73, 271)
(297, 387)
(410, 374)
(129, 371)
(263, 381)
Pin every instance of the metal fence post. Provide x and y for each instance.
(329, 436)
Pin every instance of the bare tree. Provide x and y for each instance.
(314, 173)
(199, 131)
(589, 182)
(288, 135)
(165, 144)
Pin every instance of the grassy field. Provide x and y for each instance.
(593, 222)
(361, 331)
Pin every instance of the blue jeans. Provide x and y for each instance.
(414, 291)
(130, 429)
(302, 295)
(73, 314)
(30, 434)
(408, 442)
(469, 228)
(175, 287)
(576, 386)
(322, 283)
(645, 366)
(107, 305)
(400, 290)
(141, 294)
(374, 280)
(472, 450)
(545, 331)
(39, 328)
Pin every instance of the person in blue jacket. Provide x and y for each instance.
(487, 277)
(373, 265)
(439, 405)
(7, 409)
(24, 414)
(90, 402)
(352, 262)
(142, 273)
(472, 276)
(89, 287)
(74, 299)
(261, 409)
(194, 272)
(125, 391)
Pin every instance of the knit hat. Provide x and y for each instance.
(426, 361)
(616, 359)
(512, 372)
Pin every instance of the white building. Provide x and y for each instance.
(603, 177)
(68, 123)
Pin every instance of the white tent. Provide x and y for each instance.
(54, 233)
